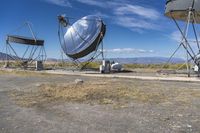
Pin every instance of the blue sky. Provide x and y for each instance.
(135, 28)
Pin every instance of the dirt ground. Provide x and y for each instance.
(55, 104)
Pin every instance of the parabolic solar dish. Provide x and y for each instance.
(178, 9)
(83, 37)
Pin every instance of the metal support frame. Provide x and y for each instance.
(190, 53)
(30, 51)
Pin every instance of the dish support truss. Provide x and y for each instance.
(99, 51)
(34, 49)
(191, 55)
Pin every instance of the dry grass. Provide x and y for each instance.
(93, 93)
(155, 66)
(23, 73)
(106, 91)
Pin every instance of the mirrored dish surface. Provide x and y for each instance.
(178, 9)
(83, 37)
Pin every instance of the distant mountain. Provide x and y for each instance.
(147, 60)
(52, 59)
(10, 57)
(3, 56)
(137, 60)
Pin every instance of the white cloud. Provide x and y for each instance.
(127, 51)
(176, 36)
(100, 14)
(135, 17)
(124, 13)
(93, 3)
(120, 7)
(65, 3)
(134, 24)
(128, 9)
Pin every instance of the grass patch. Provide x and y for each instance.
(108, 91)
(92, 93)
(24, 73)
(155, 66)
(96, 64)
(91, 65)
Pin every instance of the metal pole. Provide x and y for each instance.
(31, 31)
(62, 58)
(102, 50)
(172, 56)
(186, 44)
(195, 32)
(186, 41)
(7, 62)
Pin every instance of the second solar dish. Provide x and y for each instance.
(83, 37)
(178, 9)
